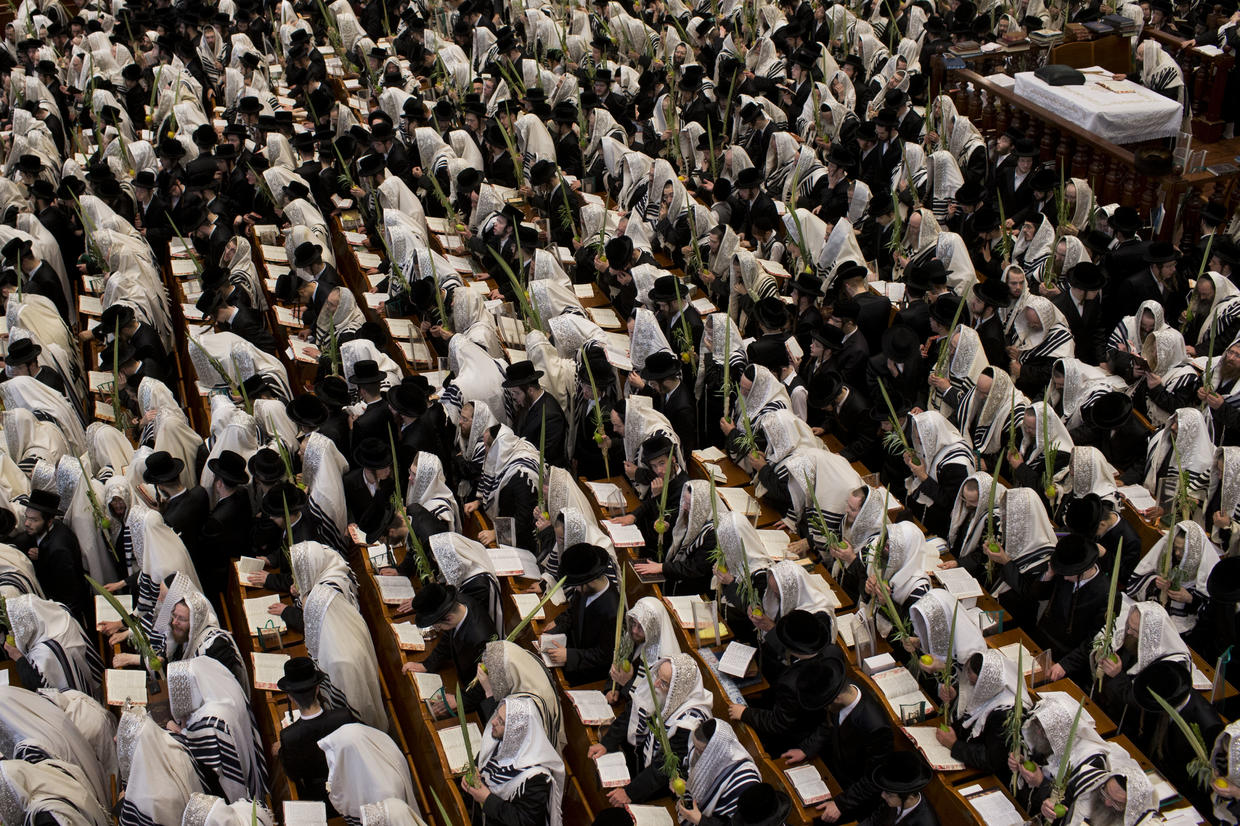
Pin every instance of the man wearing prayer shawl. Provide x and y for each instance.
(521, 775)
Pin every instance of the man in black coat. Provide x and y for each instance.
(228, 527)
(1127, 256)
(304, 762)
(671, 301)
(540, 413)
(36, 275)
(1155, 278)
(1110, 426)
(1016, 181)
(985, 301)
(185, 510)
(57, 557)
(326, 412)
(376, 420)
(673, 396)
(1076, 590)
(853, 737)
(240, 319)
(873, 310)
(1082, 308)
(853, 351)
(752, 199)
(590, 619)
(23, 360)
(464, 629)
(368, 487)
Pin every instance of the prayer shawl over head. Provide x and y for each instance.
(217, 727)
(968, 524)
(339, 642)
(1090, 472)
(1226, 758)
(1197, 557)
(720, 772)
(1189, 448)
(94, 721)
(209, 810)
(995, 690)
(932, 617)
(1129, 334)
(1051, 339)
(466, 564)
(903, 569)
(1028, 535)
(158, 772)
(1047, 727)
(1224, 483)
(54, 644)
(512, 670)
(789, 588)
(696, 519)
(33, 727)
(685, 706)
(47, 791)
(938, 444)
(363, 765)
(1157, 638)
(522, 753)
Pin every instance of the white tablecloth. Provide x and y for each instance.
(1135, 114)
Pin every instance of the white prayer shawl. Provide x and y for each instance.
(76, 491)
(49, 406)
(686, 705)
(17, 574)
(1047, 427)
(477, 377)
(93, 721)
(523, 753)
(932, 618)
(52, 788)
(307, 225)
(720, 772)
(173, 434)
(995, 690)
(29, 440)
(1028, 535)
(1033, 253)
(53, 642)
(789, 588)
(968, 525)
(742, 547)
(428, 489)
(965, 363)
(216, 725)
(1090, 472)
(391, 812)
(107, 448)
(1227, 479)
(903, 571)
(1054, 340)
(1082, 383)
(36, 317)
(841, 246)
(1226, 756)
(937, 443)
(1223, 310)
(1195, 445)
(951, 250)
(1157, 638)
(158, 550)
(364, 765)
(209, 810)
(1127, 334)
(339, 641)
(240, 360)
(513, 671)
(1052, 717)
(274, 424)
(1193, 570)
(30, 720)
(462, 560)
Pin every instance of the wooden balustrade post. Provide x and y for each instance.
(1114, 186)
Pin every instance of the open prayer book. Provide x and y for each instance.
(453, 743)
(809, 785)
(125, 685)
(305, 813)
(613, 771)
(256, 616)
(624, 536)
(104, 612)
(904, 694)
(408, 636)
(394, 590)
(592, 707)
(650, 816)
(937, 755)
(527, 602)
(268, 668)
(993, 807)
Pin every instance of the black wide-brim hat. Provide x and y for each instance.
(281, 494)
(372, 453)
(266, 466)
(1223, 584)
(1169, 680)
(761, 804)
(22, 351)
(366, 372)
(583, 563)
(1087, 276)
(902, 773)
(1109, 411)
(230, 467)
(1084, 514)
(665, 288)
(307, 410)
(994, 292)
(1073, 555)
(900, 343)
(307, 253)
(432, 603)
(521, 373)
(660, 365)
(300, 675)
(801, 632)
(161, 468)
(43, 501)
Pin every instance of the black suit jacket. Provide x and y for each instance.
(252, 327)
(591, 641)
(60, 572)
(530, 428)
(994, 340)
(680, 407)
(228, 530)
(304, 762)
(852, 749)
(917, 316)
(873, 319)
(375, 422)
(464, 645)
(186, 514)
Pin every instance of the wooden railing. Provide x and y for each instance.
(1110, 169)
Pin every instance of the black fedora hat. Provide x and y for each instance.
(770, 352)
(162, 467)
(824, 388)
(772, 313)
(1125, 219)
(370, 165)
(266, 466)
(619, 252)
(850, 271)
(230, 467)
(656, 447)
(366, 372)
(1084, 514)
(542, 172)
(660, 365)
(30, 164)
(408, 399)
(521, 373)
(801, 632)
(808, 284)
(432, 603)
(300, 675)
(1160, 252)
(900, 343)
(1223, 584)
(761, 804)
(665, 288)
(307, 253)
(333, 390)
(1025, 148)
(255, 386)
(43, 501)
(970, 192)
(22, 351)
(994, 292)
(902, 773)
(583, 563)
(1087, 276)
(1109, 411)
(841, 156)
(1073, 555)
(282, 494)
(373, 454)
(819, 682)
(887, 117)
(307, 410)
(943, 310)
(1169, 680)
(829, 336)
(749, 178)
(986, 219)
